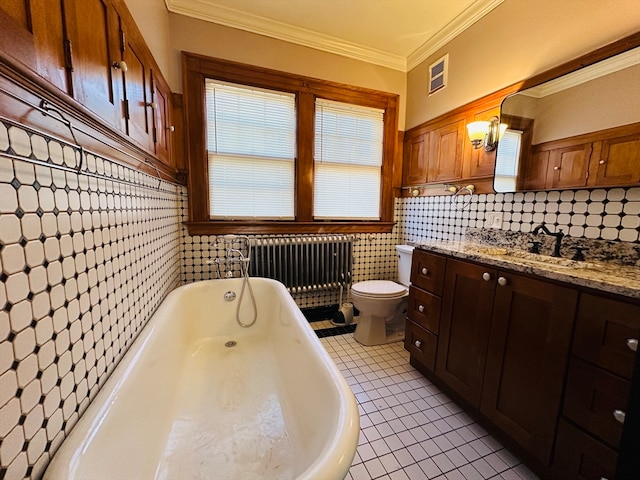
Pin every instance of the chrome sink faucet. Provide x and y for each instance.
(558, 235)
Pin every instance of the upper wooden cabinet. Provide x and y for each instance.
(92, 51)
(93, 29)
(601, 159)
(439, 151)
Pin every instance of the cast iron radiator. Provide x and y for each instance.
(304, 263)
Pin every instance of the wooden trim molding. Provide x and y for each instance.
(264, 228)
(197, 68)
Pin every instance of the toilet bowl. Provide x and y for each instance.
(383, 304)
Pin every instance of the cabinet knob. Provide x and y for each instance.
(121, 65)
(486, 276)
(632, 343)
(153, 105)
(502, 281)
(424, 270)
(421, 308)
(556, 168)
(602, 162)
(417, 343)
(171, 128)
(619, 415)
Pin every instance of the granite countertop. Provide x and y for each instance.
(599, 274)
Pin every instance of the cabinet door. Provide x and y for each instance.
(464, 327)
(92, 29)
(48, 31)
(534, 171)
(415, 159)
(137, 92)
(619, 161)
(445, 152)
(162, 126)
(17, 33)
(527, 359)
(569, 166)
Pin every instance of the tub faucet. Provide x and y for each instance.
(242, 260)
(559, 235)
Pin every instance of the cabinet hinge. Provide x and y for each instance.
(68, 55)
(123, 41)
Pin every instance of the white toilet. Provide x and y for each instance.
(383, 304)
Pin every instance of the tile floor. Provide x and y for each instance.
(410, 430)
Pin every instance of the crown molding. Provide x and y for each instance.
(459, 24)
(262, 26)
(604, 67)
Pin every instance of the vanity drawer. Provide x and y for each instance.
(579, 456)
(592, 397)
(421, 344)
(424, 309)
(604, 330)
(427, 271)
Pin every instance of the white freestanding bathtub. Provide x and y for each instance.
(183, 405)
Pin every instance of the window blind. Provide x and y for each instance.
(347, 161)
(251, 150)
(507, 160)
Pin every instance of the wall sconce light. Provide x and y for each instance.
(486, 132)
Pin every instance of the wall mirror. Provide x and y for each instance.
(579, 130)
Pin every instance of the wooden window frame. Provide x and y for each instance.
(197, 68)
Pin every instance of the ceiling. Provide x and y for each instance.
(397, 34)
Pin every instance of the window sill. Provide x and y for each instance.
(266, 228)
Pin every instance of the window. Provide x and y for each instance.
(347, 161)
(273, 152)
(251, 140)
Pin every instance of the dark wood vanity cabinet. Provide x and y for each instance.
(548, 365)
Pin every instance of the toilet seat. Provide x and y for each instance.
(379, 289)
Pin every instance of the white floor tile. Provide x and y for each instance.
(410, 430)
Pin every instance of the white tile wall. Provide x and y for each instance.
(604, 214)
(85, 262)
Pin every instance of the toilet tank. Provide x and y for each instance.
(405, 253)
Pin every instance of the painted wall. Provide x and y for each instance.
(517, 40)
(152, 18)
(205, 38)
